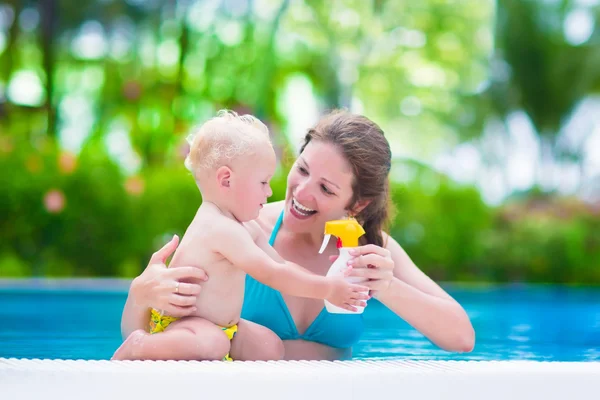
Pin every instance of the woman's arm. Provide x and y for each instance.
(134, 315)
(162, 288)
(412, 295)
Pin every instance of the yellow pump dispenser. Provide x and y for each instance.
(348, 231)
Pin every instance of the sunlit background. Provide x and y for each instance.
(492, 109)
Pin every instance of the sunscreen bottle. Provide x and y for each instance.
(347, 232)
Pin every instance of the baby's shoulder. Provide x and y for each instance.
(253, 228)
(213, 226)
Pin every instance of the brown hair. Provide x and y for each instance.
(363, 144)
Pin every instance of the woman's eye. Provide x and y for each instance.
(303, 170)
(326, 190)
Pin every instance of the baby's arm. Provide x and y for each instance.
(234, 242)
(262, 241)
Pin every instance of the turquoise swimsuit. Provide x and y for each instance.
(265, 306)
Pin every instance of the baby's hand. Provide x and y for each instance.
(347, 295)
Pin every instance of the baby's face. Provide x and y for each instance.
(252, 183)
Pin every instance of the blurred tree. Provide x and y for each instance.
(48, 21)
(539, 69)
(414, 67)
(167, 65)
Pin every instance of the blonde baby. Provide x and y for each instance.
(232, 161)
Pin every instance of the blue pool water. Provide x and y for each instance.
(512, 323)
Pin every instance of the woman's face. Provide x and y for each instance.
(319, 188)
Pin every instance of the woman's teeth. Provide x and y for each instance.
(302, 209)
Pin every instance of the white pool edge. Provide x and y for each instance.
(306, 380)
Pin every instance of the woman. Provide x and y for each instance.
(342, 170)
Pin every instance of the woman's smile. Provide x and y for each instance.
(300, 211)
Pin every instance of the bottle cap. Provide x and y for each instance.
(348, 231)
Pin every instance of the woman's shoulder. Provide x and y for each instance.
(268, 216)
(392, 245)
(389, 241)
(396, 251)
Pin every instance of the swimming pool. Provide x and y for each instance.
(80, 320)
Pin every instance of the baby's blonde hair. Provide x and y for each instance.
(223, 138)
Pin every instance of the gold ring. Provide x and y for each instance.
(177, 287)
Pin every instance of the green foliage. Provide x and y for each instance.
(63, 222)
(420, 69)
(551, 240)
(549, 75)
(441, 226)
(109, 224)
(91, 230)
(539, 69)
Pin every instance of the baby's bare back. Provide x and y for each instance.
(220, 300)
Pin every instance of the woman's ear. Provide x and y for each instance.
(359, 206)
(224, 176)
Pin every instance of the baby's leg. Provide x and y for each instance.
(189, 338)
(254, 342)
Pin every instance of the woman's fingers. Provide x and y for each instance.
(370, 248)
(376, 285)
(188, 289)
(368, 273)
(371, 259)
(373, 263)
(161, 255)
(182, 301)
(180, 273)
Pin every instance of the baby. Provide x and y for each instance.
(232, 161)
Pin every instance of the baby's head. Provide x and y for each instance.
(232, 160)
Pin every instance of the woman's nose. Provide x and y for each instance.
(302, 191)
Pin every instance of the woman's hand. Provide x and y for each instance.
(374, 263)
(168, 289)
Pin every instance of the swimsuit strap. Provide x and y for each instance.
(266, 306)
(276, 229)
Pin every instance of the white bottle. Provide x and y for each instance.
(347, 231)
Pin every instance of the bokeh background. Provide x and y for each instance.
(492, 109)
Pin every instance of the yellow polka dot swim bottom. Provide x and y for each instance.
(159, 322)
